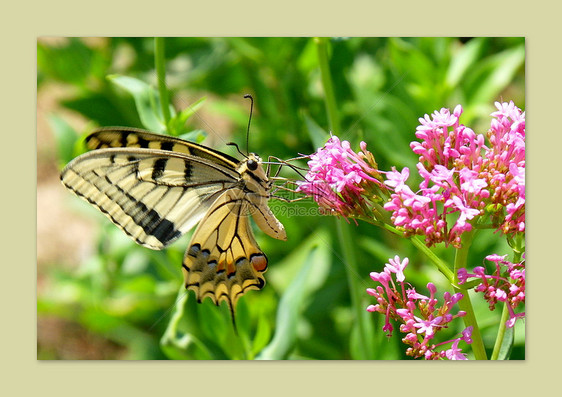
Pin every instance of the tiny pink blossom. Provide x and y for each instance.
(397, 179)
(397, 267)
(454, 353)
(467, 213)
(414, 295)
(427, 326)
(467, 334)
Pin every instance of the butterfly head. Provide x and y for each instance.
(253, 162)
(253, 173)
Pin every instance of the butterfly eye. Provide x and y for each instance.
(252, 165)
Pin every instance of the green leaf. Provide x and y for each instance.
(495, 74)
(177, 123)
(147, 101)
(72, 61)
(177, 343)
(196, 136)
(100, 108)
(318, 136)
(262, 336)
(405, 53)
(243, 46)
(463, 60)
(185, 347)
(314, 267)
(507, 344)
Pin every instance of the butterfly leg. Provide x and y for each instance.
(287, 163)
(285, 199)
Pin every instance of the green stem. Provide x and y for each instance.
(420, 245)
(465, 304)
(501, 333)
(160, 63)
(331, 108)
(355, 289)
(441, 266)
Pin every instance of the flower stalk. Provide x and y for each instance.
(461, 256)
(330, 100)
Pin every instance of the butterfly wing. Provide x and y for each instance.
(136, 138)
(223, 260)
(153, 195)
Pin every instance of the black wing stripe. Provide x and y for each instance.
(148, 219)
(159, 167)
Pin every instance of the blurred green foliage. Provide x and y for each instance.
(134, 297)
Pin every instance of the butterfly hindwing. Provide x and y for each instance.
(224, 261)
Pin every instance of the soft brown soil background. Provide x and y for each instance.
(64, 238)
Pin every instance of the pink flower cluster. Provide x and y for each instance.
(506, 284)
(504, 165)
(340, 180)
(462, 177)
(420, 317)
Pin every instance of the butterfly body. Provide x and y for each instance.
(156, 188)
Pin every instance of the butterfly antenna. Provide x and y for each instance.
(249, 121)
(237, 148)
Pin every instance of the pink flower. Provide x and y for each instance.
(397, 180)
(466, 213)
(342, 181)
(499, 288)
(467, 334)
(397, 267)
(427, 327)
(420, 316)
(454, 353)
(462, 176)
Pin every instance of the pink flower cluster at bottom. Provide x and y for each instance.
(420, 316)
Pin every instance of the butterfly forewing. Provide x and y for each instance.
(156, 187)
(153, 195)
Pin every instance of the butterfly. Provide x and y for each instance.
(157, 187)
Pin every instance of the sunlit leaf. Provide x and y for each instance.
(147, 101)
